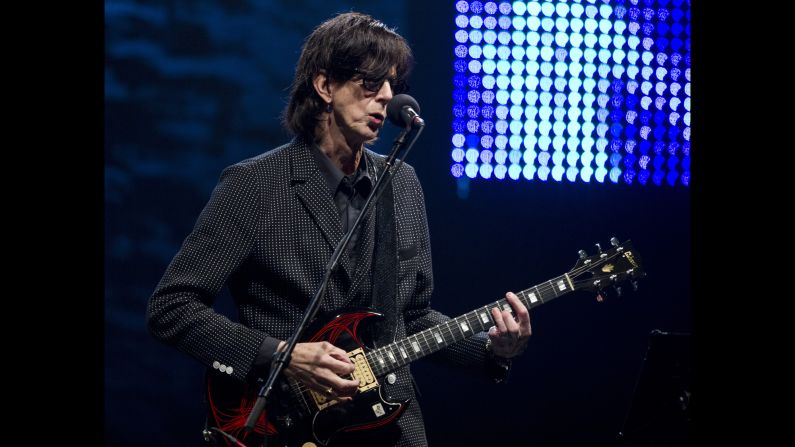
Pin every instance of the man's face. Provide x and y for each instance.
(360, 107)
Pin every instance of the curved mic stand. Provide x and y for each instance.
(282, 359)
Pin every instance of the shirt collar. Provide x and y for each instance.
(333, 175)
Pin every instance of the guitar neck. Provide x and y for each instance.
(402, 352)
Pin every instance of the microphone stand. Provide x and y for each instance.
(282, 359)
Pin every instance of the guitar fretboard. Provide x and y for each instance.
(402, 352)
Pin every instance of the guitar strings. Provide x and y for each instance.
(541, 289)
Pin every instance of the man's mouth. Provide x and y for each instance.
(377, 118)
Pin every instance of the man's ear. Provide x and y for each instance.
(322, 85)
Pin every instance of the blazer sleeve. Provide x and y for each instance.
(180, 312)
(469, 353)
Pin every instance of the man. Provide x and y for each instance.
(273, 221)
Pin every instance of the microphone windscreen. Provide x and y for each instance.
(395, 108)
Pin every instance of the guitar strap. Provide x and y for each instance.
(385, 265)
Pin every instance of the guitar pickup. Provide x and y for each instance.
(363, 372)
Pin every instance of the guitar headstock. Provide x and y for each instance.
(608, 268)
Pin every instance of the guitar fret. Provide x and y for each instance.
(464, 327)
(487, 309)
(507, 306)
(484, 317)
(404, 347)
(568, 280)
(421, 341)
(450, 329)
(522, 298)
(553, 288)
(418, 339)
(470, 322)
(425, 339)
(401, 347)
(407, 346)
(474, 322)
(411, 348)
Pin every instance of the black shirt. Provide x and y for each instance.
(350, 193)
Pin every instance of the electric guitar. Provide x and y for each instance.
(306, 418)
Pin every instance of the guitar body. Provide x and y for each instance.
(303, 418)
(300, 417)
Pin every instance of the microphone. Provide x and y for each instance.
(404, 111)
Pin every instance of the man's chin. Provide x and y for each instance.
(374, 138)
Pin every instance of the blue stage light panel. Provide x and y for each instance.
(602, 89)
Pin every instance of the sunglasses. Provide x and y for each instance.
(374, 84)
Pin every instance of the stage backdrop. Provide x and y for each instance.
(191, 87)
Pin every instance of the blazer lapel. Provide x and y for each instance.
(313, 192)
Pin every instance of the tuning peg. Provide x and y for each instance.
(599, 297)
(634, 286)
(614, 241)
(618, 291)
(598, 247)
(582, 254)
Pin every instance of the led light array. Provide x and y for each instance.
(572, 90)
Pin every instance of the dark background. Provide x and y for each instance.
(191, 87)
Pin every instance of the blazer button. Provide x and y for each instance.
(216, 364)
(391, 378)
(229, 370)
(222, 368)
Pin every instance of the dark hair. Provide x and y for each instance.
(345, 46)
